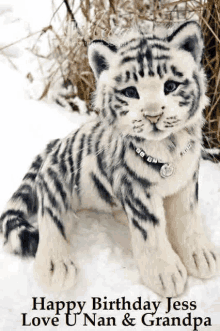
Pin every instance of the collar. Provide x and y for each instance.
(166, 169)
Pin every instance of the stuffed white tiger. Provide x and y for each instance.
(141, 155)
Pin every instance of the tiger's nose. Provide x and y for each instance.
(153, 119)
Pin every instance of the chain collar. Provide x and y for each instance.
(166, 169)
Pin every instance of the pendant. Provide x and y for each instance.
(166, 170)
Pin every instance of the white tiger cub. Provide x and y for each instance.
(141, 156)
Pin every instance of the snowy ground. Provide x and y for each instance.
(101, 246)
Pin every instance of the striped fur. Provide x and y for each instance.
(150, 94)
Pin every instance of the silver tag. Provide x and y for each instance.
(166, 170)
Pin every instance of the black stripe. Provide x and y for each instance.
(127, 76)
(103, 192)
(51, 266)
(102, 164)
(161, 47)
(173, 144)
(31, 176)
(51, 145)
(119, 99)
(89, 150)
(151, 73)
(59, 186)
(135, 76)
(197, 191)
(153, 38)
(29, 242)
(195, 175)
(41, 195)
(122, 153)
(164, 68)
(175, 72)
(128, 59)
(45, 189)
(115, 149)
(128, 43)
(184, 95)
(70, 159)
(54, 159)
(183, 103)
(15, 223)
(62, 164)
(137, 225)
(139, 209)
(143, 42)
(26, 197)
(186, 82)
(182, 26)
(57, 222)
(37, 163)
(112, 112)
(149, 58)
(79, 162)
(98, 141)
(123, 113)
(103, 102)
(12, 212)
(112, 166)
(112, 47)
(135, 211)
(141, 72)
(25, 187)
(143, 181)
(162, 57)
(136, 138)
(195, 101)
(159, 71)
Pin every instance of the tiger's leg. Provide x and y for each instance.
(160, 267)
(54, 268)
(186, 232)
(20, 236)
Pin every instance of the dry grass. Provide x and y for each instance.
(68, 44)
(210, 21)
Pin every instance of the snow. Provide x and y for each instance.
(101, 246)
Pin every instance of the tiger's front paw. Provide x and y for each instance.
(200, 256)
(56, 273)
(165, 276)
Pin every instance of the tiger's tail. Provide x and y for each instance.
(20, 236)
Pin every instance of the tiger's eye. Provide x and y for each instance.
(131, 92)
(170, 86)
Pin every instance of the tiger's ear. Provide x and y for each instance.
(100, 56)
(188, 37)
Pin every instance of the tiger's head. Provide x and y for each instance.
(149, 86)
